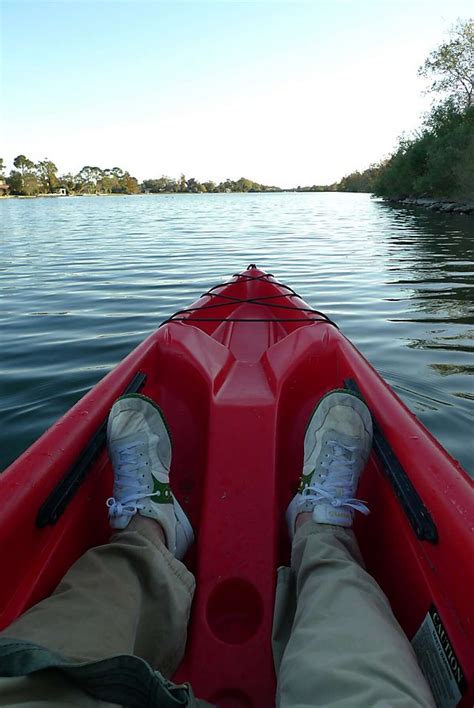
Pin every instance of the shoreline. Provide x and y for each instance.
(129, 194)
(444, 206)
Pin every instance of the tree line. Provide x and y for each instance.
(168, 184)
(31, 179)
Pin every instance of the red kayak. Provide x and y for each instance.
(237, 375)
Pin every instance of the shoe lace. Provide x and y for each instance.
(338, 467)
(128, 474)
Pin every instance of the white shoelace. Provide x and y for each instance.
(127, 479)
(341, 465)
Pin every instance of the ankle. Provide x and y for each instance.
(303, 518)
(148, 527)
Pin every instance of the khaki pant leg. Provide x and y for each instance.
(46, 689)
(344, 647)
(130, 596)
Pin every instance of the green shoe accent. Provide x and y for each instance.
(305, 481)
(162, 493)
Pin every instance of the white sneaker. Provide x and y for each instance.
(337, 445)
(140, 449)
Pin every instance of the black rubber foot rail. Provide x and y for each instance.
(412, 504)
(66, 488)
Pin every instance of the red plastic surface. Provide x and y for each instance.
(237, 395)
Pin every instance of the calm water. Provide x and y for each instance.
(84, 280)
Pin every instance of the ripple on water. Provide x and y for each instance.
(85, 280)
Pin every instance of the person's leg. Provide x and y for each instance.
(129, 597)
(344, 647)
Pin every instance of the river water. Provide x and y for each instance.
(84, 280)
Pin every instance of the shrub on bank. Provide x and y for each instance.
(438, 162)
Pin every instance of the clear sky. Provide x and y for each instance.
(283, 92)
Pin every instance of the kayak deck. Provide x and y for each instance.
(237, 376)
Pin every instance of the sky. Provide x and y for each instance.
(284, 92)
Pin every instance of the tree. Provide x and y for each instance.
(126, 185)
(131, 184)
(357, 181)
(15, 182)
(162, 184)
(117, 172)
(25, 185)
(23, 180)
(22, 163)
(68, 182)
(245, 185)
(2, 167)
(450, 67)
(88, 179)
(106, 182)
(47, 175)
(437, 162)
(192, 185)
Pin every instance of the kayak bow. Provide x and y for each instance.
(237, 375)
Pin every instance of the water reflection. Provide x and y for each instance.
(433, 265)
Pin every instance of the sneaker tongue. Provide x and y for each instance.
(343, 445)
(345, 455)
(341, 453)
(127, 460)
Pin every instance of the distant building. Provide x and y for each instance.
(4, 188)
(61, 192)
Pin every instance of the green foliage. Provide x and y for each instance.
(67, 182)
(464, 170)
(162, 184)
(2, 167)
(193, 186)
(88, 179)
(23, 164)
(23, 181)
(94, 180)
(126, 185)
(450, 67)
(32, 179)
(46, 172)
(438, 162)
(315, 188)
(360, 181)
(15, 182)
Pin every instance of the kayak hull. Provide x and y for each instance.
(237, 376)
